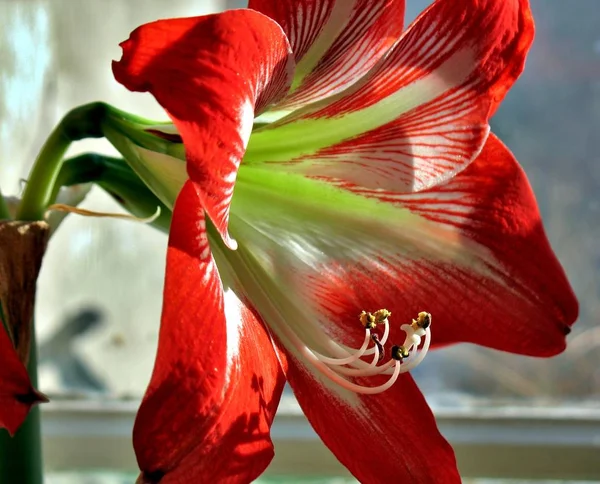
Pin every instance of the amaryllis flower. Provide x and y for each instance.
(335, 164)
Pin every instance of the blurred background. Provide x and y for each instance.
(99, 293)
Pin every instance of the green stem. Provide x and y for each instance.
(88, 121)
(21, 455)
(4, 213)
(81, 122)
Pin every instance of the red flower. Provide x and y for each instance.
(365, 178)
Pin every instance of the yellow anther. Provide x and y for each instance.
(381, 315)
(367, 320)
(423, 321)
(370, 320)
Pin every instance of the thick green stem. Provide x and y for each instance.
(82, 122)
(43, 175)
(4, 213)
(88, 121)
(21, 455)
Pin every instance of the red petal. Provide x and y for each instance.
(526, 303)
(474, 45)
(216, 382)
(421, 115)
(390, 437)
(17, 395)
(343, 39)
(211, 74)
(419, 149)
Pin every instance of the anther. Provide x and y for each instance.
(367, 320)
(423, 321)
(348, 363)
(381, 315)
(399, 352)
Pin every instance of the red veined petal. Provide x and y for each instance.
(421, 148)
(393, 433)
(420, 115)
(216, 382)
(476, 257)
(212, 74)
(492, 204)
(390, 437)
(474, 45)
(304, 21)
(335, 42)
(17, 395)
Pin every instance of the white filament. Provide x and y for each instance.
(351, 364)
(414, 359)
(349, 359)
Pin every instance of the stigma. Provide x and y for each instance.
(369, 359)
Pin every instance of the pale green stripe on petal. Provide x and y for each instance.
(258, 185)
(338, 19)
(298, 135)
(319, 218)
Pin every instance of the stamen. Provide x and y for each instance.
(386, 333)
(423, 320)
(381, 315)
(368, 371)
(415, 359)
(350, 363)
(340, 380)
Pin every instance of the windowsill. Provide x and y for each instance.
(496, 442)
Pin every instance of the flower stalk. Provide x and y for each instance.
(96, 120)
(4, 212)
(82, 122)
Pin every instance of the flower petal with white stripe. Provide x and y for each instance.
(335, 42)
(420, 115)
(183, 56)
(216, 372)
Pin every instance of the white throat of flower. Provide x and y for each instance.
(350, 362)
(264, 271)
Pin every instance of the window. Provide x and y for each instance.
(507, 416)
